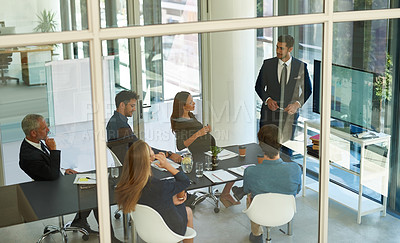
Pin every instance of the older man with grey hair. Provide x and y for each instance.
(40, 159)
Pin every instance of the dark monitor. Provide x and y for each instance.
(351, 95)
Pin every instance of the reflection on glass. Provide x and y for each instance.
(344, 5)
(54, 83)
(42, 16)
(279, 8)
(115, 13)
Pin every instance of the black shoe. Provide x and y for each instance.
(255, 239)
(190, 199)
(83, 224)
(238, 192)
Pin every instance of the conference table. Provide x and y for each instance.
(252, 150)
(38, 200)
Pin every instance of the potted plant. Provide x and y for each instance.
(46, 22)
(215, 150)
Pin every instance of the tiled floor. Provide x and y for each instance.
(230, 225)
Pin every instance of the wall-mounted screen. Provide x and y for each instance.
(351, 95)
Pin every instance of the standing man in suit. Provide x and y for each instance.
(282, 100)
(119, 134)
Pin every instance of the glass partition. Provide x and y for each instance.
(54, 83)
(115, 13)
(344, 5)
(22, 17)
(361, 112)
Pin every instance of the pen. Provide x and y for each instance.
(217, 177)
(87, 177)
(192, 182)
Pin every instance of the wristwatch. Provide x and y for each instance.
(169, 153)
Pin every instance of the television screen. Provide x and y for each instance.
(351, 95)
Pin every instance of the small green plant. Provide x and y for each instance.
(46, 22)
(215, 150)
(383, 83)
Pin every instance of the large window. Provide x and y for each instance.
(167, 57)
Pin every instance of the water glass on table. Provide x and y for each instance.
(187, 163)
(114, 172)
(199, 169)
(207, 163)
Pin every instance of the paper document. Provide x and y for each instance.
(88, 178)
(219, 176)
(175, 165)
(224, 154)
(240, 170)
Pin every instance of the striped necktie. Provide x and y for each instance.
(44, 148)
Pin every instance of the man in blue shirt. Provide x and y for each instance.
(272, 175)
(119, 134)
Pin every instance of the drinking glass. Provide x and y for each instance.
(199, 169)
(187, 163)
(207, 163)
(114, 172)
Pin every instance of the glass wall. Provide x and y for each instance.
(114, 13)
(223, 72)
(58, 88)
(345, 5)
(361, 111)
(42, 16)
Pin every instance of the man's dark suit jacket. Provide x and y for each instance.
(298, 88)
(37, 164)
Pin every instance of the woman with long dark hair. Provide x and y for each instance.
(191, 134)
(137, 185)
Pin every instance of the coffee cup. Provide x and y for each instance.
(242, 151)
(181, 195)
(260, 158)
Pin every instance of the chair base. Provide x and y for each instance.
(213, 194)
(4, 78)
(52, 229)
(289, 231)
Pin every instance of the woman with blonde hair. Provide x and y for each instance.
(137, 185)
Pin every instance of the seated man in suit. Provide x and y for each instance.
(119, 134)
(41, 160)
(272, 175)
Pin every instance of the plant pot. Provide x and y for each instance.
(215, 161)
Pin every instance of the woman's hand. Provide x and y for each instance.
(70, 172)
(163, 163)
(204, 131)
(178, 201)
(162, 160)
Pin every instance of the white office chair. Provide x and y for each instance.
(151, 227)
(271, 210)
(117, 163)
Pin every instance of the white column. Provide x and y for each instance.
(232, 75)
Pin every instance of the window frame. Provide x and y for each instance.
(95, 35)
